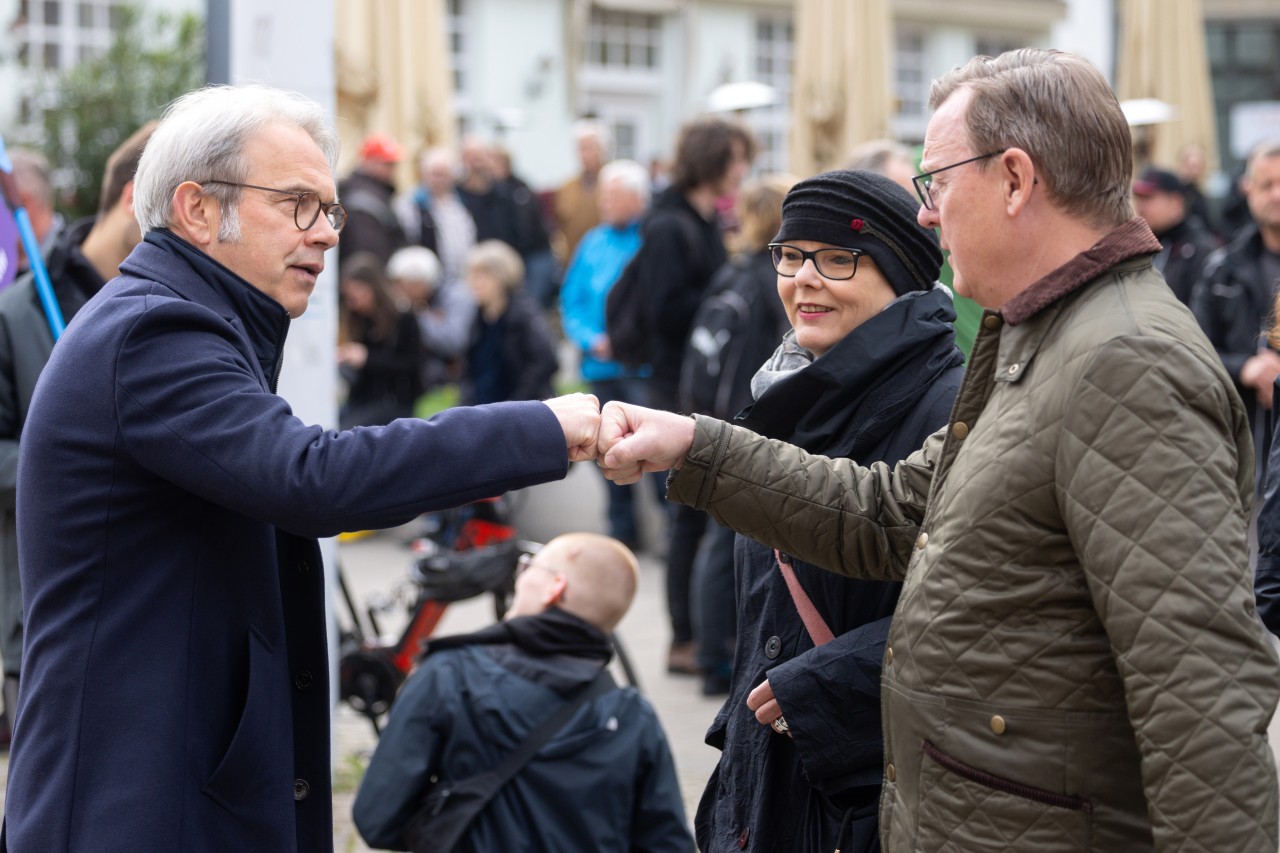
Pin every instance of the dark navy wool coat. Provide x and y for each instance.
(175, 692)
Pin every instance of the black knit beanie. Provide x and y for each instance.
(867, 211)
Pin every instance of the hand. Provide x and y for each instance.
(579, 416)
(761, 701)
(353, 354)
(635, 441)
(1259, 373)
(601, 349)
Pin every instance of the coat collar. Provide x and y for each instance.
(263, 321)
(1129, 240)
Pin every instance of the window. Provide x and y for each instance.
(52, 13)
(1242, 65)
(457, 24)
(774, 49)
(52, 53)
(86, 16)
(994, 45)
(622, 40)
(910, 80)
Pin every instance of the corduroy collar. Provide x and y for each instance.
(1126, 241)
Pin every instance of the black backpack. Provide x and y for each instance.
(739, 324)
(627, 307)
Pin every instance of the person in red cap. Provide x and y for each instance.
(1160, 198)
(372, 225)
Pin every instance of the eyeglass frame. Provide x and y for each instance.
(813, 256)
(528, 561)
(322, 206)
(924, 186)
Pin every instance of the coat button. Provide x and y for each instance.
(304, 680)
(890, 773)
(922, 540)
(772, 648)
(991, 321)
(998, 724)
(1014, 368)
(960, 430)
(304, 568)
(300, 789)
(743, 838)
(888, 656)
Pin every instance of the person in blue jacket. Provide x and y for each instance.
(605, 782)
(602, 255)
(175, 687)
(868, 371)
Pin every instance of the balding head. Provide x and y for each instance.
(591, 576)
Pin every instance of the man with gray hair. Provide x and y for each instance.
(1075, 662)
(445, 310)
(433, 215)
(175, 692)
(35, 193)
(576, 201)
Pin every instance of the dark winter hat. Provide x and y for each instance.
(867, 211)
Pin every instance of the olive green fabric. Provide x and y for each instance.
(1075, 662)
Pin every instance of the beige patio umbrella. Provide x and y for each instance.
(1162, 57)
(393, 74)
(840, 93)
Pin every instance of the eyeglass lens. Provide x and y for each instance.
(835, 264)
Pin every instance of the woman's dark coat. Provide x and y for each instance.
(876, 395)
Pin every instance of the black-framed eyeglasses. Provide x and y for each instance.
(924, 183)
(833, 263)
(307, 208)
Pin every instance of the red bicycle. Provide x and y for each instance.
(467, 552)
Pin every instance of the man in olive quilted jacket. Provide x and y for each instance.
(1075, 662)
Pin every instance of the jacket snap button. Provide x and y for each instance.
(304, 680)
(1014, 368)
(888, 655)
(922, 540)
(772, 648)
(997, 724)
(890, 773)
(304, 568)
(991, 321)
(300, 789)
(960, 430)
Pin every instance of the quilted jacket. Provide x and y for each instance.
(1075, 662)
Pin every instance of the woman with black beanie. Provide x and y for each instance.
(869, 370)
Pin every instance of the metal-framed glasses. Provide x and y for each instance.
(307, 207)
(924, 183)
(833, 263)
(526, 561)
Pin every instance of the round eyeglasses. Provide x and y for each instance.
(307, 206)
(833, 263)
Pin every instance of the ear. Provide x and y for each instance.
(126, 200)
(195, 215)
(1018, 180)
(555, 592)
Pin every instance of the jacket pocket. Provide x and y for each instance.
(967, 810)
(239, 775)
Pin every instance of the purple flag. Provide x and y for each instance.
(8, 246)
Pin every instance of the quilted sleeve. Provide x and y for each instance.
(854, 521)
(1153, 480)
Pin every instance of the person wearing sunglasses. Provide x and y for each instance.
(868, 369)
(175, 683)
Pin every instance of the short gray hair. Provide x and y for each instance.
(31, 173)
(1264, 150)
(630, 174)
(1059, 109)
(202, 136)
(414, 263)
(585, 128)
